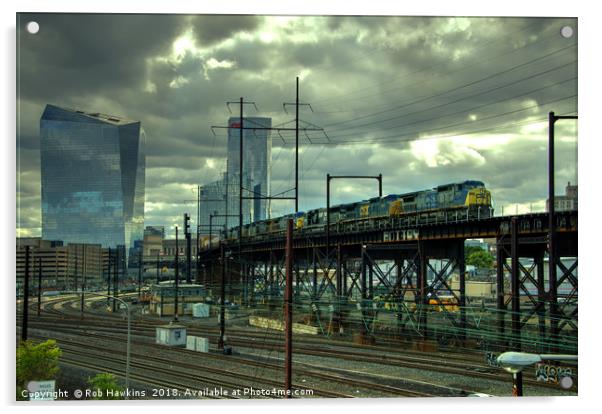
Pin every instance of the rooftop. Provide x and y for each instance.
(97, 116)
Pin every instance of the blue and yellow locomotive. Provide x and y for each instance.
(467, 200)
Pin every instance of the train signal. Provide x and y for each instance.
(186, 223)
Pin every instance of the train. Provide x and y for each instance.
(467, 200)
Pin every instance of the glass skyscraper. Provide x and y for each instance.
(92, 173)
(213, 203)
(257, 157)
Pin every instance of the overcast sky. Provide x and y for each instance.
(424, 101)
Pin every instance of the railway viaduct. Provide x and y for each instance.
(345, 271)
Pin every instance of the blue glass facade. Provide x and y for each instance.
(216, 190)
(92, 174)
(257, 159)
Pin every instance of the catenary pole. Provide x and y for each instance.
(158, 269)
(288, 311)
(83, 282)
(39, 285)
(177, 276)
(222, 305)
(109, 262)
(115, 278)
(187, 236)
(552, 262)
(25, 312)
(140, 264)
(297, 148)
(198, 231)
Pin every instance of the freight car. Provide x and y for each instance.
(467, 200)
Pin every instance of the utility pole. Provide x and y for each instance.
(198, 231)
(553, 296)
(296, 149)
(222, 307)
(177, 276)
(83, 281)
(517, 378)
(515, 285)
(188, 248)
(226, 201)
(140, 264)
(76, 247)
(297, 104)
(240, 160)
(115, 279)
(39, 284)
(109, 261)
(158, 268)
(25, 296)
(288, 311)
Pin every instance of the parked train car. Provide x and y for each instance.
(450, 202)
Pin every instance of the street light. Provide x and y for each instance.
(516, 362)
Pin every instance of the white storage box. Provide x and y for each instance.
(202, 344)
(171, 335)
(200, 310)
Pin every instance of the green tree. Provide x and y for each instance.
(104, 382)
(468, 250)
(480, 259)
(36, 363)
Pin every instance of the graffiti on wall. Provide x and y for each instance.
(552, 373)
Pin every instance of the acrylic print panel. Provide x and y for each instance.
(369, 196)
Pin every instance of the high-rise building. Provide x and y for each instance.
(92, 173)
(213, 203)
(257, 158)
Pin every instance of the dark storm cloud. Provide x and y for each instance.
(211, 29)
(84, 54)
(375, 82)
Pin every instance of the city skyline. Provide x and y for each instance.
(476, 91)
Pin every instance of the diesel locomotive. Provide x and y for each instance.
(467, 200)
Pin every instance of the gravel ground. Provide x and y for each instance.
(408, 378)
(395, 373)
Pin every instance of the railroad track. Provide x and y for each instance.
(245, 334)
(465, 357)
(189, 369)
(344, 380)
(322, 347)
(424, 362)
(260, 341)
(79, 359)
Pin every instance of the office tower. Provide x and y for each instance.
(213, 203)
(257, 158)
(92, 173)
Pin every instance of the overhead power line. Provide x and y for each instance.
(412, 135)
(462, 111)
(448, 91)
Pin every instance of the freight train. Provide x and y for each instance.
(467, 200)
